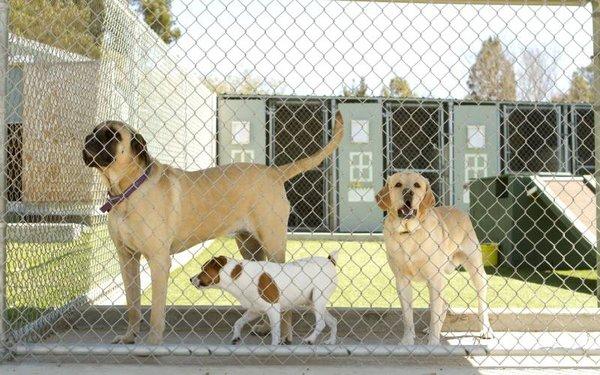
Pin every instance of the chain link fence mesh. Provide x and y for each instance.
(491, 103)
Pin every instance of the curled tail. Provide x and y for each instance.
(333, 257)
(296, 167)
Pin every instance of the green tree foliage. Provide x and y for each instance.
(66, 24)
(157, 14)
(359, 90)
(492, 76)
(579, 92)
(246, 84)
(398, 87)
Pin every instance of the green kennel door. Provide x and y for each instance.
(241, 130)
(476, 147)
(360, 167)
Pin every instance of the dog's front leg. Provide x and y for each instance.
(405, 294)
(130, 272)
(437, 308)
(159, 272)
(274, 314)
(246, 318)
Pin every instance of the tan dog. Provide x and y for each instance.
(424, 243)
(175, 209)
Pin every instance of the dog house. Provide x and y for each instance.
(450, 142)
(381, 135)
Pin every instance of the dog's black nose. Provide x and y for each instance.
(408, 203)
(191, 280)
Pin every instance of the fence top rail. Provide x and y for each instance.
(488, 2)
(401, 100)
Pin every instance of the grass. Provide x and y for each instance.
(365, 280)
(43, 276)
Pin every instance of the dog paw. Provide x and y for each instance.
(408, 340)
(286, 341)
(236, 340)
(330, 342)
(308, 341)
(153, 340)
(487, 334)
(433, 341)
(128, 338)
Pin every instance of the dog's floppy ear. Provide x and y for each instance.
(211, 269)
(139, 149)
(427, 202)
(383, 198)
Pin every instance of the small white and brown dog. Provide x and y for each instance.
(271, 288)
(424, 243)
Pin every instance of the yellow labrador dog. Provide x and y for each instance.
(156, 210)
(424, 243)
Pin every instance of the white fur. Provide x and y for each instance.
(306, 282)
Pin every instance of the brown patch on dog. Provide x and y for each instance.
(210, 271)
(267, 289)
(236, 271)
(332, 260)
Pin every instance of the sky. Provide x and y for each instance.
(315, 47)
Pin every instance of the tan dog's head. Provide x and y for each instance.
(406, 195)
(113, 144)
(209, 274)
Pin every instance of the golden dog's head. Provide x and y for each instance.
(209, 274)
(113, 144)
(406, 195)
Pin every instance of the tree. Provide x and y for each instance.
(360, 90)
(66, 24)
(579, 92)
(492, 76)
(157, 14)
(537, 77)
(247, 84)
(398, 87)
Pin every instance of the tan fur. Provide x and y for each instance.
(176, 209)
(267, 288)
(424, 248)
(236, 271)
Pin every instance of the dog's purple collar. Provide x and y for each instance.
(114, 200)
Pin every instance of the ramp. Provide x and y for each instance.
(572, 200)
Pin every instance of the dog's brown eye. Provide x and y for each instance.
(417, 185)
(398, 185)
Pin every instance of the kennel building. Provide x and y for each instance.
(451, 142)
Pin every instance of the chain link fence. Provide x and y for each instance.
(489, 103)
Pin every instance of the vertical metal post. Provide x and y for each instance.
(596, 108)
(3, 93)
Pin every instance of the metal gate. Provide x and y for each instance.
(534, 139)
(415, 139)
(582, 139)
(297, 130)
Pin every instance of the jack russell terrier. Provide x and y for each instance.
(271, 288)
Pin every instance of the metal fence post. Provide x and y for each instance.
(596, 109)
(3, 77)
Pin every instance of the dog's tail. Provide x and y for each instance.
(333, 257)
(295, 168)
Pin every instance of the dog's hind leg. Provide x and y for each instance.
(249, 247)
(473, 263)
(130, 271)
(322, 318)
